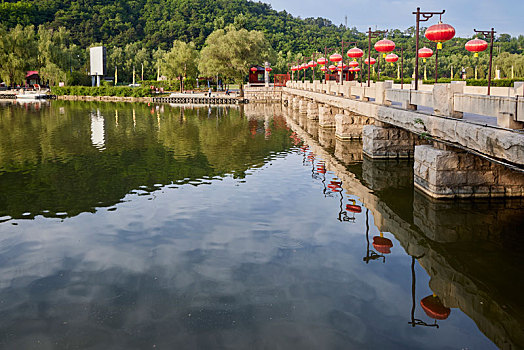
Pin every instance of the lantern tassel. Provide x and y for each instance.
(439, 46)
(476, 54)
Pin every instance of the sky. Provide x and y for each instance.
(465, 15)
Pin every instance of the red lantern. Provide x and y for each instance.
(425, 53)
(476, 46)
(269, 69)
(253, 69)
(355, 53)
(322, 61)
(385, 46)
(323, 69)
(312, 64)
(335, 57)
(391, 58)
(354, 69)
(373, 61)
(332, 68)
(353, 64)
(440, 33)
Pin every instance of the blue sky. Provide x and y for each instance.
(504, 15)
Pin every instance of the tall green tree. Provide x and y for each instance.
(18, 52)
(181, 61)
(230, 52)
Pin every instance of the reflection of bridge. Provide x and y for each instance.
(460, 280)
(454, 157)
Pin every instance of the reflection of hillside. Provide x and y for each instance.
(470, 249)
(51, 155)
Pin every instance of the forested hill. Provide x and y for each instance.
(156, 23)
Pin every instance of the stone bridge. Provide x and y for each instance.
(464, 144)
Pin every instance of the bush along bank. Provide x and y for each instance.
(119, 91)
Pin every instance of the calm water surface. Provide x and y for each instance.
(129, 226)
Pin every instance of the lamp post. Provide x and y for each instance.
(488, 34)
(343, 43)
(326, 60)
(421, 17)
(372, 35)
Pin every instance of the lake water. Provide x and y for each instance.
(128, 226)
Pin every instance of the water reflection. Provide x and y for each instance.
(458, 243)
(234, 228)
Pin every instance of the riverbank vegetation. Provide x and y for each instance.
(171, 38)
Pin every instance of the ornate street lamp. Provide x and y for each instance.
(439, 33)
(421, 17)
(488, 34)
(372, 34)
(384, 46)
(476, 46)
(425, 53)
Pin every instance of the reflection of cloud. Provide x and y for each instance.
(253, 264)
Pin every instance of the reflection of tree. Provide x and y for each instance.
(47, 160)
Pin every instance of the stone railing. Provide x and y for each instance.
(450, 100)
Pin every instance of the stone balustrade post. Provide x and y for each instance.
(443, 98)
(380, 92)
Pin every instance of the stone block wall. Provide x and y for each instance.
(349, 125)
(383, 142)
(456, 174)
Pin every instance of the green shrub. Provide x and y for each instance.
(122, 91)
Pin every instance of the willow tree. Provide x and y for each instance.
(17, 53)
(181, 61)
(231, 52)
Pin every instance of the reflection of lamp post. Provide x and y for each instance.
(372, 35)
(491, 36)
(370, 254)
(432, 305)
(421, 17)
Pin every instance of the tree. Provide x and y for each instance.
(231, 52)
(17, 53)
(181, 61)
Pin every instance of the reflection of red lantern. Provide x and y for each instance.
(385, 46)
(355, 53)
(332, 68)
(391, 58)
(322, 61)
(335, 57)
(372, 61)
(382, 244)
(440, 33)
(353, 64)
(353, 207)
(434, 308)
(476, 46)
(425, 53)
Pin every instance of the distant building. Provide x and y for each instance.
(32, 77)
(256, 75)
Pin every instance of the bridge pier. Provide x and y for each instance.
(302, 106)
(451, 173)
(349, 125)
(326, 138)
(348, 151)
(384, 141)
(312, 111)
(326, 116)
